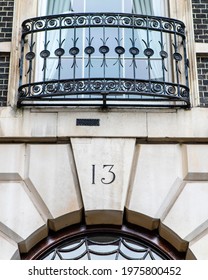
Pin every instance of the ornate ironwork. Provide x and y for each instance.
(103, 59)
(103, 247)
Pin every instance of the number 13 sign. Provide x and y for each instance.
(108, 174)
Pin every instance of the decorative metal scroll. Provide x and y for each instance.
(103, 248)
(103, 59)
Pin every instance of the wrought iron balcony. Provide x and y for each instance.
(103, 59)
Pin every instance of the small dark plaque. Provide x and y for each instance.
(88, 122)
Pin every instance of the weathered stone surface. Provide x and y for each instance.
(188, 216)
(9, 250)
(52, 180)
(103, 167)
(154, 184)
(19, 219)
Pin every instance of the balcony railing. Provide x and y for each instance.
(103, 59)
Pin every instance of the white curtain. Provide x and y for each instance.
(58, 6)
(143, 7)
(51, 7)
(150, 7)
(54, 7)
(42, 7)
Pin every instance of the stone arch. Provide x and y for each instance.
(46, 187)
(121, 240)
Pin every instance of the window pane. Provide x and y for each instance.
(103, 6)
(146, 7)
(106, 247)
(111, 65)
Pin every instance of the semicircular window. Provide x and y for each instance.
(103, 247)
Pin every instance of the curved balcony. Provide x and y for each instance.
(103, 59)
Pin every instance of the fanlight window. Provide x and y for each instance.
(103, 247)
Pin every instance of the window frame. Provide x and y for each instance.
(127, 230)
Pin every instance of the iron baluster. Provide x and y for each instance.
(45, 53)
(30, 57)
(59, 52)
(164, 55)
(177, 57)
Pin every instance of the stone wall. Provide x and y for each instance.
(4, 74)
(200, 12)
(6, 19)
(161, 187)
(200, 18)
(202, 64)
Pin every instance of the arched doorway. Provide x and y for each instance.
(81, 242)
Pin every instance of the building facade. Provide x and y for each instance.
(103, 123)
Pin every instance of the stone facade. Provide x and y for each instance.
(200, 18)
(137, 173)
(146, 166)
(4, 73)
(202, 63)
(200, 12)
(41, 174)
(6, 15)
(6, 21)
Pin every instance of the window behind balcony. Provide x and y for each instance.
(90, 63)
(104, 53)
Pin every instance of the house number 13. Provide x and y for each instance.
(107, 168)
